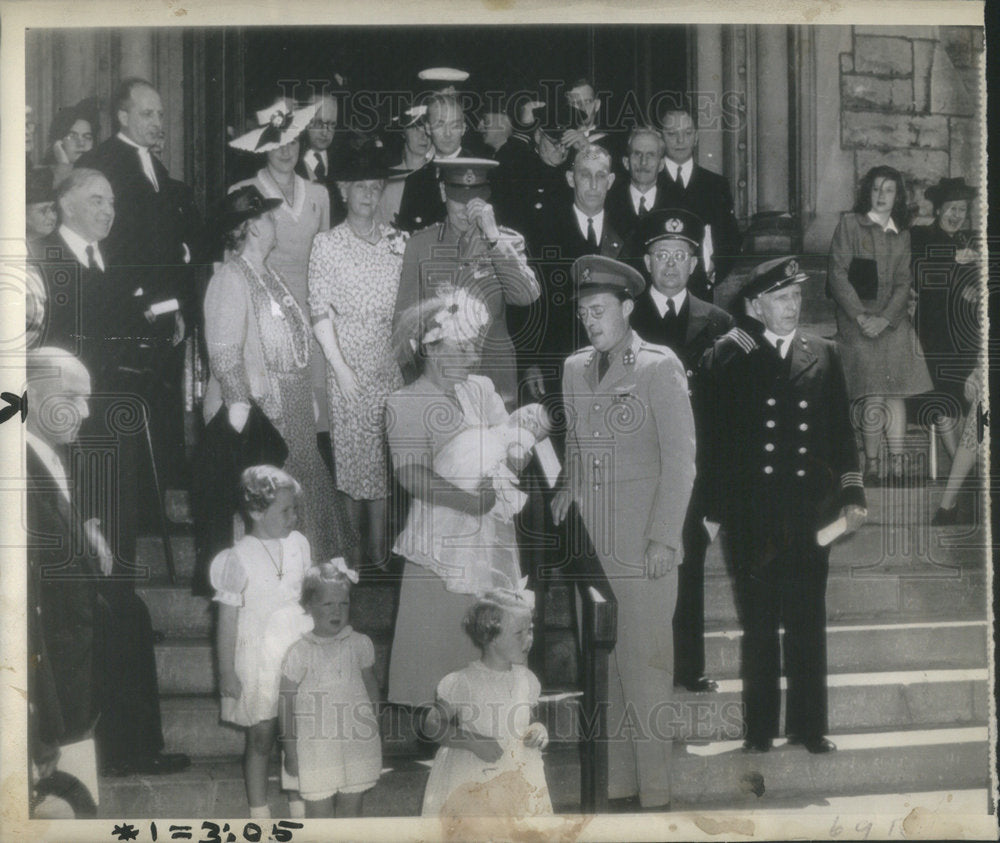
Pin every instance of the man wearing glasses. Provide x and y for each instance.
(668, 314)
(319, 158)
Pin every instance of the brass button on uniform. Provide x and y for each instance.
(769, 423)
(768, 469)
(769, 446)
(771, 402)
(803, 426)
(800, 473)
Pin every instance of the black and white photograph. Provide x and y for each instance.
(518, 421)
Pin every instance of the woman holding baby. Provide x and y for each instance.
(456, 451)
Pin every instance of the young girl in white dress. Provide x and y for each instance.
(258, 583)
(329, 726)
(490, 760)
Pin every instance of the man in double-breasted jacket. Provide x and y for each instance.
(629, 469)
(782, 463)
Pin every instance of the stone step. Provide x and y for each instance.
(877, 700)
(948, 764)
(185, 665)
(719, 772)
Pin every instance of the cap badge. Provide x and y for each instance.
(469, 177)
(585, 275)
(673, 225)
(791, 268)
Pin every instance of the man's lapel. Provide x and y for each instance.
(803, 357)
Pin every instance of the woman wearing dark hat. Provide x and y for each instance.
(73, 132)
(40, 217)
(869, 279)
(257, 338)
(354, 274)
(946, 275)
(416, 154)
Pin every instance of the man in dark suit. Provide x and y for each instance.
(444, 122)
(668, 314)
(322, 152)
(573, 229)
(152, 235)
(704, 193)
(630, 200)
(63, 687)
(782, 463)
(96, 313)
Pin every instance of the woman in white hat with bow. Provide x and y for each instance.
(303, 213)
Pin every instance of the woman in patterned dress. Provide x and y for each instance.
(353, 277)
(258, 349)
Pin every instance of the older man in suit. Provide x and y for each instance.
(668, 314)
(629, 201)
(154, 234)
(63, 612)
(629, 469)
(96, 314)
(782, 463)
(707, 194)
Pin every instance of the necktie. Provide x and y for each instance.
(778, 346)
(603, 362)
(642, 206)
(591, 234)
(320, 168)
(147, 167)
(671, 311)
(680, 178)
(91, 259)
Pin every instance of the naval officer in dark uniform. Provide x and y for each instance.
(782, 463)
(629, 469)
(667, 313)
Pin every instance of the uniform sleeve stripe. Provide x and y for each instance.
(851, 478)
(742, 338)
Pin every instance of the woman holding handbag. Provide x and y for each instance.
(258, 340)
(869, 278)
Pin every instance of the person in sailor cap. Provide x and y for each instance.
(629, 469)
(782, 463)
(470, 250)
(444, 122)
(669, 314)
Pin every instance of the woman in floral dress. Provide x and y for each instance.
(353, 277)
(258, 349)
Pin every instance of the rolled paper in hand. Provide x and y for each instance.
(831, 531)
(161, 307)
(548, 461)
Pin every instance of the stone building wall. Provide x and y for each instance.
(910, 98)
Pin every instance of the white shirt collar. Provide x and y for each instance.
(79, 246)
(660, 300)
(142, 149)
(686, 169)
(581, 220)
(891, 226)
(637, 194)
(773, 338)
(50, 459)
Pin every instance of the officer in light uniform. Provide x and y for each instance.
(471, 251)
(782, 462)
(629, 468)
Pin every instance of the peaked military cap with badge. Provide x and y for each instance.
(599, 274)
(671, 224)
(771, 276)
(465, 178)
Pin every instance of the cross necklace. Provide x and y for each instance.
(279, 566)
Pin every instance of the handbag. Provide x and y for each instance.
(863, 277)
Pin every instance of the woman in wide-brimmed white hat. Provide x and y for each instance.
(303, 213)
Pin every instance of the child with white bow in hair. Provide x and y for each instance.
(327, 716)
(490, 760)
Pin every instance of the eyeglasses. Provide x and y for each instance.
(676, 256)
(326, 125)
(77, 136)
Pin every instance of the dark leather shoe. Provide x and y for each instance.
(756, 747)
(817, 746)
(701, 685)
(162, 764)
